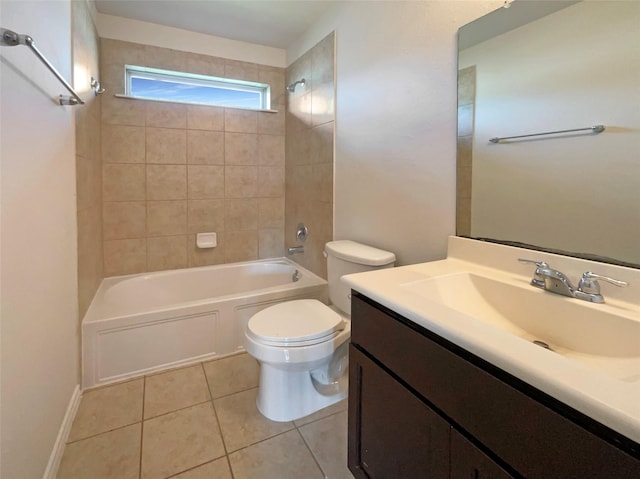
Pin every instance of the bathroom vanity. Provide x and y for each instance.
(439, 394)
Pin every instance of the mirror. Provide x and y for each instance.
(539, 67)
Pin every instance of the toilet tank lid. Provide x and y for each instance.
(359, 253)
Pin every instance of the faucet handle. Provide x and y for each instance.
(589, 282)
(539, 264)
(538, 278)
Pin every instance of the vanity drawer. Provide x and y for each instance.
(533, 439)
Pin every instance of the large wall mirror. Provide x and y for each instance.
(539, 67)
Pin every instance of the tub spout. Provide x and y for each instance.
(295, 249)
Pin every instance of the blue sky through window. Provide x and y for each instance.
(175, 91)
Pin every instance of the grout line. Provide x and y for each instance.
(311, 452)
(215, 412)
(102, 432)
(178, 410)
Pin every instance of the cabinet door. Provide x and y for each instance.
(469, 462)
(392, 433)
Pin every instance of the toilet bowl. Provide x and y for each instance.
(302, 345)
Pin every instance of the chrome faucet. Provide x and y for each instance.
(557, 282)
(295, 249)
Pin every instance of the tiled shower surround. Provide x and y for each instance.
(172, 170)
(309, 166)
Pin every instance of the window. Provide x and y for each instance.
(154, 84)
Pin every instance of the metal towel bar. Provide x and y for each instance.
(593, 129)
(11, 39)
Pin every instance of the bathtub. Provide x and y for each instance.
(147, 322)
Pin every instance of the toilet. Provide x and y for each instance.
(303, 345)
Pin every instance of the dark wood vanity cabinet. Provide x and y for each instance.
(421, 407)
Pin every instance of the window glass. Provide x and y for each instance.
(183, 87)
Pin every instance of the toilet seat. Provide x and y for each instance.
(302, 322)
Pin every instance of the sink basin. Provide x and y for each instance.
(599, 336)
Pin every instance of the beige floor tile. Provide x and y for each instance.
(108, 408)
(281, 457)
(173, 390)
(112, 455)
(218, 469)
(327, 439)
(179, 441)
(241, 422)
(231, 375)
(322, 413)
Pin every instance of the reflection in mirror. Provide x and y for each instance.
(524, 71)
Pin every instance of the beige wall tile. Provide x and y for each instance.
(241, 214)
(323, 182)
(240, 246)
(276, 80)
(124, 219)
(205, 118)
(166, 115)
(117, 51)
(206, 216)
(270, 243)
(165, 145)
(240, 121)
(321, 147)
(271, 150)
(123, 144)
(122, 111)
(165, 218)
(272, 123)
(241, 148)
(465, 151)
(206, 181)
(299, 112)
(241, 70)
(241, 181)
(298, 147)
(166, 182)
(205, 65)
(126, 256)
(466, 85)
(322, 62)
(205, 147)
(166, 252)
(165, 58)
(465, 120)
(270, 181)
(112, 77)
(205, 256)
(123, 182)
(271, 212)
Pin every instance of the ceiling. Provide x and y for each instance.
(272, 23)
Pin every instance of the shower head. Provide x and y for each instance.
(292, 87)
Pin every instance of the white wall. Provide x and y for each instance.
(577, 193)
(39, 323)
(395, 159)
(136, 31)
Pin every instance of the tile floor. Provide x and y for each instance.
(199, 422)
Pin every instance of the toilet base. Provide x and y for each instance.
(286, 395)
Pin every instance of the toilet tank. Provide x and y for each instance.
(347, 257)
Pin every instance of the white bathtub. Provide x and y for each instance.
(146, 322)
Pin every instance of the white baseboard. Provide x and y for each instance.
(63, 434)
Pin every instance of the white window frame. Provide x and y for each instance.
(133, 71)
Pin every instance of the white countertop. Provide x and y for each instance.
(610, 400)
